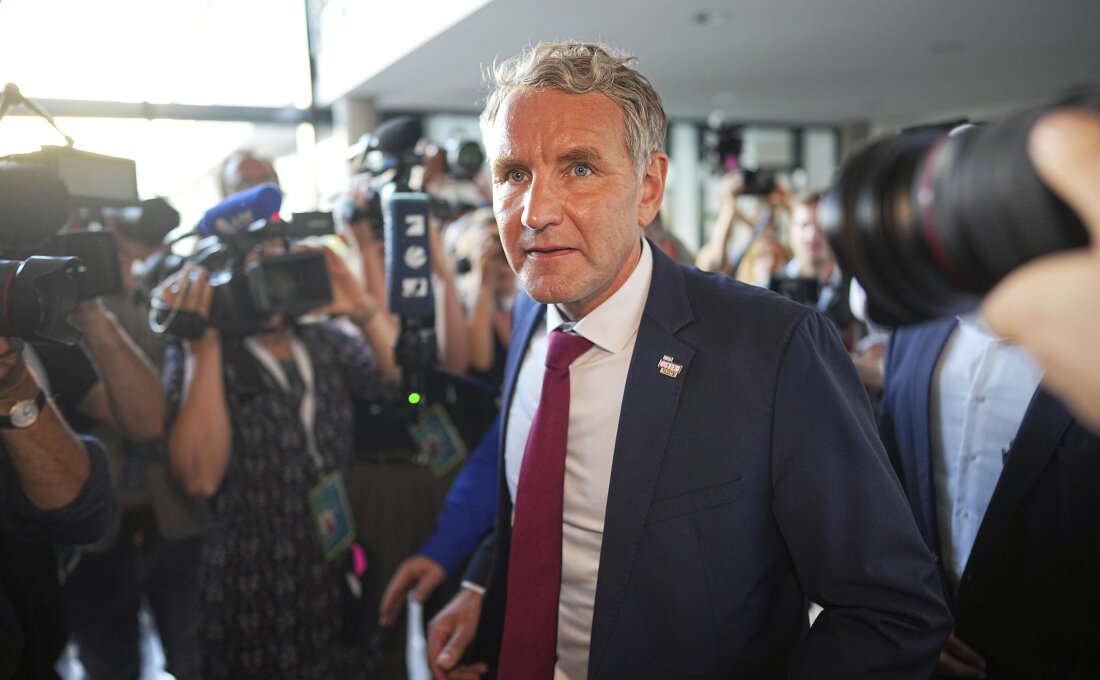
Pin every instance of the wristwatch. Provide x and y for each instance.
(23, 413)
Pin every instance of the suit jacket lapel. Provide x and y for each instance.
(1045, 423)
(934, 338)
(526, 317)
(649, 407)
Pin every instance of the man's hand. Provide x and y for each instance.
(11, 361)
(958, 660)
(449, 633)
(1052, 305)
(418, 573)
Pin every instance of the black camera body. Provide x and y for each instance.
(247, 291)
(48, 273)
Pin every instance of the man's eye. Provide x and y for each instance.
(582, 170)
(516, 176)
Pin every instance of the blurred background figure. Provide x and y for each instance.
(488, 286)
(727, 242)
(668, 242)
(766, 257)
(244, 170)
(1002, 481)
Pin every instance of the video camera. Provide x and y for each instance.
(931, 219)
(248, 287)
(392, 153)
(50, 272)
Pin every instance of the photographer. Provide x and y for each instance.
(489, 288)
(262, 424)
(1052, 305)
(54, 490)
(149, 556)
(715, 255)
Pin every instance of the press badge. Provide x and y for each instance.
(439, 442)
(328, 501)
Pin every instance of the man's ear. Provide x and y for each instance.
(653, 187)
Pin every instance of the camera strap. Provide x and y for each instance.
(307, 407)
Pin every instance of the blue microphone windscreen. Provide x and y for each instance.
(235, 213)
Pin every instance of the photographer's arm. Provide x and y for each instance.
(713, 255)
(52, 464)
(479, 329)
(456, 357)
(351, 299)
(1052, 305)
(129, 396)
(200, 438)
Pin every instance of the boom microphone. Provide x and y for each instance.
(235, 213)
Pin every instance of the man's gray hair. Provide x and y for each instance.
(579, 68)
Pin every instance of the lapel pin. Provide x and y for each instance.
(668, 366)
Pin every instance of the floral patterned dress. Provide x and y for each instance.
(270, 602)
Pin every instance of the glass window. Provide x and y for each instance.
(208, 52)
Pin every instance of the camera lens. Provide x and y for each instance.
(37, 295)
(930, 221)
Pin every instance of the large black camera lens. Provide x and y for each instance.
(36, 296)
(930, 221)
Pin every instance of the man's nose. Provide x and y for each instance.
(543, 205)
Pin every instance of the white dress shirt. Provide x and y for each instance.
(980, 391)
(597, 380)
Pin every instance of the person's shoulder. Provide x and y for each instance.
(328, 332)
(717, 295)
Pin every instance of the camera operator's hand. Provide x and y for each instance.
(350, 298)
(1052, 305)
(188, 290)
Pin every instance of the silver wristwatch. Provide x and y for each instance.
(24, 413)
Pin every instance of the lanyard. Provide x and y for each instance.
(307, 408)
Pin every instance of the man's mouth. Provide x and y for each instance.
(547, 252)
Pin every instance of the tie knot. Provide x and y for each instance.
(564, 349)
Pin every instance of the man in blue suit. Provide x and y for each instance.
(1003, 482)
(721, 464)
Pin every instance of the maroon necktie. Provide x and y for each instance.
(530, 641)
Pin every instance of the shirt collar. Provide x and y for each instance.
(611, 325)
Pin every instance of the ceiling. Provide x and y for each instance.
(825, 61)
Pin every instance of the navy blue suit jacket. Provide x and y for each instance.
(1029, 597)
(750, 482)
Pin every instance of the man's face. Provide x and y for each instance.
(808, 242)
(567, 197)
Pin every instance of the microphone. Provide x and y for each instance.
(408, 258)
(409, 284)
(235, 213)
(398, 135)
